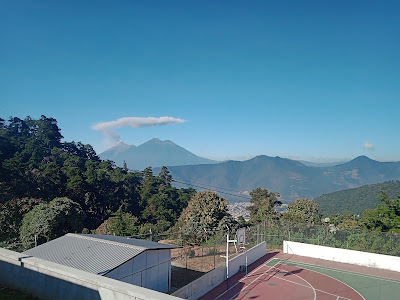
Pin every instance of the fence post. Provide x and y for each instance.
(215, 244)
(202, 258)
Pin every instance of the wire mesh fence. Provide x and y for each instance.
(275, 232)
(193, 259)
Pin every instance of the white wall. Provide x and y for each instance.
(48, 280)
(212, 279)
(374, 260)
(150, 269)
(252, 255)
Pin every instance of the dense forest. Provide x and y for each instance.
(357, 200)
(50, 181)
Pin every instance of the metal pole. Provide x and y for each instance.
(227, 261)
(246, 262)
(202, 258)
(215, 244)
(258, 230)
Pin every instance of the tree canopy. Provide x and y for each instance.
(50, 220)
(203, 214)
(36, 164)
(385, 217)
(303, 210)
(264, 205)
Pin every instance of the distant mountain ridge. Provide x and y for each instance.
(290, 178)
(154, 153)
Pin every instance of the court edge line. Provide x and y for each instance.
(325, 291)
(348, 272)
(259, 267)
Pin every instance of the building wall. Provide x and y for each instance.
(48, 280)
(150, 269)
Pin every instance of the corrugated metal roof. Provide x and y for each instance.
(96, 254)
(131, 241)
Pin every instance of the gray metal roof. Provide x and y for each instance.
(93, 253)
(131, 241)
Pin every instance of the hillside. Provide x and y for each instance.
(356, 200)
(154, 153)
(290, 178)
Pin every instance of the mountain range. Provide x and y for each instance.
(290, 178)
(154, 153)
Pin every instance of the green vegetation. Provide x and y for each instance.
(49, 221)
(36, 168)
(303, 211)
(205, 213)
(355, 201)
(264, 205)
(385, 217)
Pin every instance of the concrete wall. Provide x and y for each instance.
(48, 280)
(150, 269)
(374, 260)
(210, 280)
(252, 255)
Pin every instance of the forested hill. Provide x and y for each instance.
(37, 167)
(356, 200)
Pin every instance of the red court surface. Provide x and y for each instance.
(279, 276)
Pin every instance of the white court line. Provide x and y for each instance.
(329, 277)
(253, 281)
(346, 272)
(315, 293)
(261, 266)
(339, 281)
(319, 289)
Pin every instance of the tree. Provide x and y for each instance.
(264, 205)
(385, 217)
(204, 212)
(303, 211)
(120, 223)
(52, 220)
(11, 214)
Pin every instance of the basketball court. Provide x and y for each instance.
(281, 276)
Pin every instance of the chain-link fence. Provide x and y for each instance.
(275, 232)
(195, 258)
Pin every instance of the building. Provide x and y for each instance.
(139, 262)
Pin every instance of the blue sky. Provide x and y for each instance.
(312, 80)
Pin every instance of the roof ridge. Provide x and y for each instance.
(105, 241)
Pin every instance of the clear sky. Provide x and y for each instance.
(313, 80)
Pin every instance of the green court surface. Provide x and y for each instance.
(369, 286)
